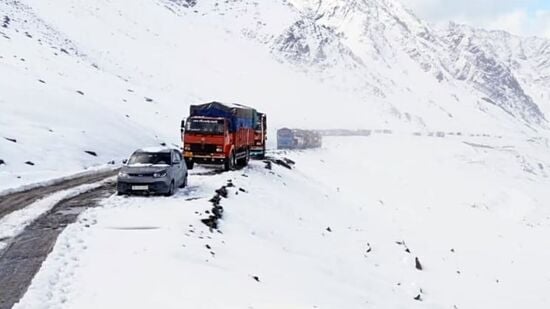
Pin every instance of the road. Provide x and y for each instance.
(22, 258)
(19, 200)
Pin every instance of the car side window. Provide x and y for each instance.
(174, 158)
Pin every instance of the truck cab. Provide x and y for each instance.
(260, 137)
(205, 140)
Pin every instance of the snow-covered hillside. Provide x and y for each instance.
(341, 230)
(445, 205)
(108, 76)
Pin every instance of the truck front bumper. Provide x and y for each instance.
(205, 158)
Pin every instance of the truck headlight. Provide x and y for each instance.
(187, 147)
(159, 174)
(219, 148)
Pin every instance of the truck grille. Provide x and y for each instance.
(203, 148)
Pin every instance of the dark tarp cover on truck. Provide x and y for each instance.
(238, 115)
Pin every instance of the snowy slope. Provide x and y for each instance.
(109, 92)
(342, 230)
(110, 76)
(525, 59)
(383, 32)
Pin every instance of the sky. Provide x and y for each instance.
(521, 17)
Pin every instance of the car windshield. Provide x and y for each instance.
(150, 158)
(207, 126)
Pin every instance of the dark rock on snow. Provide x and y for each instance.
(211, 222)
(222, 192)
(418, 265)
(6, 22)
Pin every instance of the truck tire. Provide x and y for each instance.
(229, 164)
(244, 160)
(190, 164)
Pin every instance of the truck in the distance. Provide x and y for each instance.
(298, 139)
(217, 133)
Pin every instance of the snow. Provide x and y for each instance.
(36, 184)
(472, 209)
(155, 149)
(102, 77)
(15, 222)
(110, 76)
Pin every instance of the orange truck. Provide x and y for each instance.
(218, 133)
(260, 137)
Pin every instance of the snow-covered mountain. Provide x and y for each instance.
(498, 67)
(109, 76)
(444, 205)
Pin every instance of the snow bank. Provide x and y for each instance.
(344, 229)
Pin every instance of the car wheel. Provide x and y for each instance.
(171, 189)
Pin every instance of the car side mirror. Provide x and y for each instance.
(125, 161)
(182, 127)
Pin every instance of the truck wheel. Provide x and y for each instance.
(230, 162)
(190, 164)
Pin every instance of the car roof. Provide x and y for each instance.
(156, 149)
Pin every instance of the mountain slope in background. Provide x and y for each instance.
(109, 77)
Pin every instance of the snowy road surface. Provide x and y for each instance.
(29, 243)
(342, 230)
(20, 199)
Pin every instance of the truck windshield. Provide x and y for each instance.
(206, 126)
(150, 158)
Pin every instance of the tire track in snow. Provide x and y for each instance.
(23, 257)
(18, 200)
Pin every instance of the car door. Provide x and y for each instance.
(177, 168)
(183, 165)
